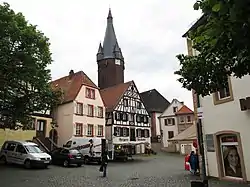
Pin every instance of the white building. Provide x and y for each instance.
(168, 121)
(82, 112)
(225, 120)
(127, 121)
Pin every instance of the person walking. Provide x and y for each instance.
(104, 163)
(193, 160)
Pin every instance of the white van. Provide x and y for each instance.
(24, 153)
(90, 151)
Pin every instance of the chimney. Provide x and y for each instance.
(71, 72)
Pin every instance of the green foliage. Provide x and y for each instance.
(24, 77)
(223, 40)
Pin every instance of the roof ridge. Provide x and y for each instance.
(115, 86)
(65, 77)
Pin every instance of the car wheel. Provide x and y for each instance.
(66, 163)
(27, 164)
(79, 165)
(3, 160)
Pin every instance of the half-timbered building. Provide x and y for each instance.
(127, 120)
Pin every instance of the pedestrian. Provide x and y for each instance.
(104, 163)
(193, 160)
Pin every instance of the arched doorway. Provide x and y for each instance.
(53, 135)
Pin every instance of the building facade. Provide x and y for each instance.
(224, 119)
(155, 104)
(127, 120)
(169, 123)
(82, 112)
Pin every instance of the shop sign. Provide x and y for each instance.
(210, 143)
(123, 139)
(245, 104)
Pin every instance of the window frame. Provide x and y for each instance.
(80, 125)
(100, 112)
(98, 128)
(216, 96)
(92, 110)
(80, 113)
(90, 93)
(92, 130)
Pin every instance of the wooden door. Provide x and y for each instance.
(132, 135)
(41, 128)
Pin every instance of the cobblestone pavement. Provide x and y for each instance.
(162, 170)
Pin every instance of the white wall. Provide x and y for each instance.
(157, 124)
(81, 97)
(228, 116)
(168, 113)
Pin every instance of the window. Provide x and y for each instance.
(79, 128)
(41, 125)
(170, 134)
(138, 131)
(138, 104)
(182, 119)
(90, 93)
(142, 133)
(11, 147)
(117, 116)
(79, 108)
(90, 110)
(138, 118)
(169, 121)
(124, 131)
(131, 117)
(124, 117)
(100, 112)
(117, 131)
(175, 109)
(189, 119)
(90, 130)
(100, 130)
(145, 119)
(20, 149)
(146, 133)
(125, 102)
(224, 95)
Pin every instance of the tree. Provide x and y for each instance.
(223, 40)
(24, 77)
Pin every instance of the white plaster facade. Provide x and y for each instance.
(166, 127)
(228, 117)
(67, 117)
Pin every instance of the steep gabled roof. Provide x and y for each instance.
(71, 85)
(112, 95)
(154, 101)
(184, 110)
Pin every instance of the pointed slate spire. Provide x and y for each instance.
(110, 41)
(99, 54)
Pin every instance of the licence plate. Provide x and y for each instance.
(46, 162)
(78, 157)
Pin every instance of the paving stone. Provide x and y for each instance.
(162, 170)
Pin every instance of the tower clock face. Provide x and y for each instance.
(117, 61)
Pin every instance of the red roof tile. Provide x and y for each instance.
(71, 85)
(112, 95)
(184, 110)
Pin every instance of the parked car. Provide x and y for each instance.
(89, 147)
(67, 157)
(24, 153)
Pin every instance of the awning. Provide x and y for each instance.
(186, 135)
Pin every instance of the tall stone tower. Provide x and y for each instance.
(109, 58)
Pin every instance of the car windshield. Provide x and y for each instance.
(33, 149)
(74, 151)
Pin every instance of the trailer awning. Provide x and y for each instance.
(186, 135)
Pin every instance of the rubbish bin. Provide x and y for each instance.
(197, 184)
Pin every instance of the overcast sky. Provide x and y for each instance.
(148, 32)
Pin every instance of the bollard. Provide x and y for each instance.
(197, 184)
